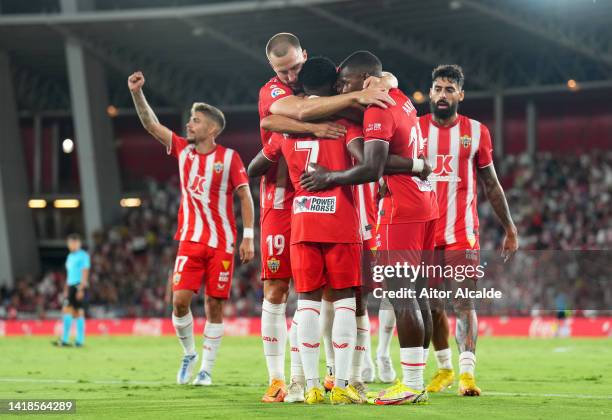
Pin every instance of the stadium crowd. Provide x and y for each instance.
(557, 202)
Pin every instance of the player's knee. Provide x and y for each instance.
(276, 291)
(180, 305)
(214, 309)
(362, 306)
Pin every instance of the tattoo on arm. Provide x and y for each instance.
(144, 111)
(496, 196)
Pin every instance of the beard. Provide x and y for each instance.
(443, 113)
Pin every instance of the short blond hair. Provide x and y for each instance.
(212, 112)
(280, 44)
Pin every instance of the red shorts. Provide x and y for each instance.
(274, 244)
(317, 264)
(197, 263)
(410, 242)
(458, 257)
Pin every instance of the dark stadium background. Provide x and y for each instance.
(539, 75)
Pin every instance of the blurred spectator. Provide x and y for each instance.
(557, 202)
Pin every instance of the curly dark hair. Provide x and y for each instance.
(452, 72)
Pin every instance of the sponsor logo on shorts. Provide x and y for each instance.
(471, 254)
(313, 204)
(273, 264)
(270, 339)
(224, 277)
(472, 240)
(176, 278)
(277, 92)
(226, 264)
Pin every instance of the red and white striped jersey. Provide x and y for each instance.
(455, 152)
(367, 206)
(208, 181)
(276, 190)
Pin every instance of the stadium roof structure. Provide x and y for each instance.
(214, 50)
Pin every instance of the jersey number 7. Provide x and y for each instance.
(310, 146)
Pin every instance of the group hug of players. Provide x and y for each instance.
(346, 169)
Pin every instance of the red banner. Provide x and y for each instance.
(488, 326)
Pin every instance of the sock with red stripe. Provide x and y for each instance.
(412, 367)
(327, 322)
(297, 372)
(361, 347)
(213, 333)
(309, 339)
(467, 362)
(274, 336)
(183, 326)
(344, 336)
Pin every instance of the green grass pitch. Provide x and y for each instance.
(133, 377)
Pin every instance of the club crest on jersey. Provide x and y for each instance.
(466, 141)
(176, 279)
(218, 167)
(313, 204)
(273, 264)
(277, 92)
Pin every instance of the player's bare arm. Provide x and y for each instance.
(497, 198)
(355, 148)
(400, 165)
(145, 112)
(247, 247)
(309, 109)
(282, 124)
(370, 170)
(259, 165)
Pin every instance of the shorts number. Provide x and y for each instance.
(310, 146)
(275, 242)
(180, 264)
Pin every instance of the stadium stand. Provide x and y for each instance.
(559, 202)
